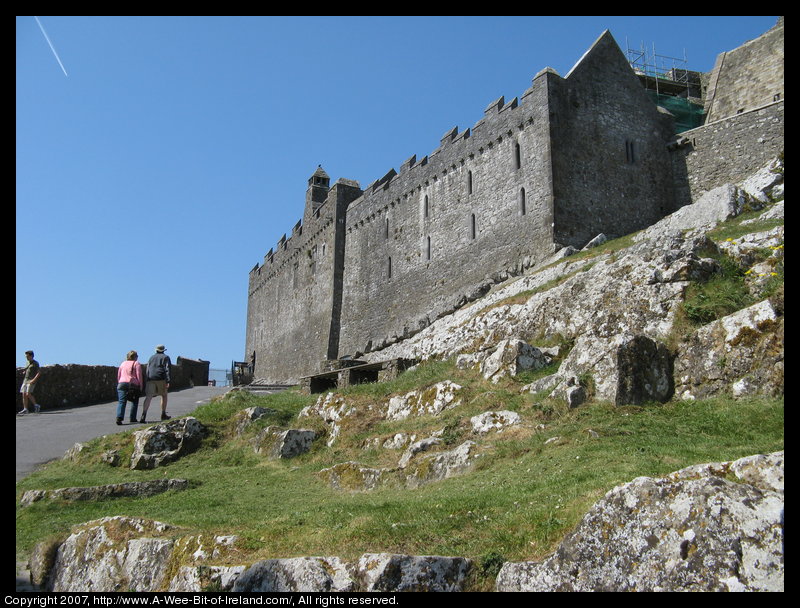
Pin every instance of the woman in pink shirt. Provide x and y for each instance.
(129, 385)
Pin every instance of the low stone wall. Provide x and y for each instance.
(725, 150)
(72, 385)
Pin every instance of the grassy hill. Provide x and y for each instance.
(521, 498)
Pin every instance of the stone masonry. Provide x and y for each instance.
(570, 158)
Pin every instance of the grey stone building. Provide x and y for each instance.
(570, 158)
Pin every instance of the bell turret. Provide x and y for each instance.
(319, 184)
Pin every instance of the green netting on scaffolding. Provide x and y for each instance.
(688, 115)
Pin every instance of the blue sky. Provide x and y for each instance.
(159, 158)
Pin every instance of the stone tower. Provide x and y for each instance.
(319, 184)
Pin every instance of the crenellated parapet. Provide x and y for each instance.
(307, 237)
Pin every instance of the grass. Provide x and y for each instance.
(520, 500)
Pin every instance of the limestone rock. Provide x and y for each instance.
(41, 562)
(332, 409)
(247, 416)
(306, 574)
(512, 357)
(416, 448)
(575, 395)
(166, 442)
(440, 465)
(395, 442)
(74, 452)
(113, 554)
(111, 457)
(117, 490)
(494, 421)
(430, 401)
(691, 531)
(715, 206)
(352, 476)
(205, 578)
(627, 368)
(760, 185)
(284, 443)
(596, 242)
(741, 353)
(386, 572)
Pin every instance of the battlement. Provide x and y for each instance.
(305, 233)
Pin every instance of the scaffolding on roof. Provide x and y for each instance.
(671, 84)
(663, 74)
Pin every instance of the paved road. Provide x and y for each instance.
(46, 436)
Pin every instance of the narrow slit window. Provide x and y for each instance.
(472, 231)
(469, 182)
(428, 248)
(425, 209)
(630, 152)
(389, 268)
(517, 156)
(522, 209)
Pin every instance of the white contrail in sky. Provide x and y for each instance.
(52, 48)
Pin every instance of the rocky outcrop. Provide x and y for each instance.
(283, 443)
(440, 465)
(335, 410)
(512, 357)
(138, 489)
(494, 421)
(713, 527)
(352, 476)
(205, 578)
(386, 572)
(248, 416)
(166, 442)
(430, 401)
(741, 354)
(332, 409)
(130, 554)
(710, 527)
(419, 465)
(319, 574)
(113, 554)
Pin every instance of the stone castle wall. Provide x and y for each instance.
(749, 76)
(292, 296)
(722, 151)
(570, 158)
(610, 159)
(446, 227)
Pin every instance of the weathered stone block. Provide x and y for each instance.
(166, 442)
(300, 574)
(386, 572)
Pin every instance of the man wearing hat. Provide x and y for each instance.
(158, 368)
